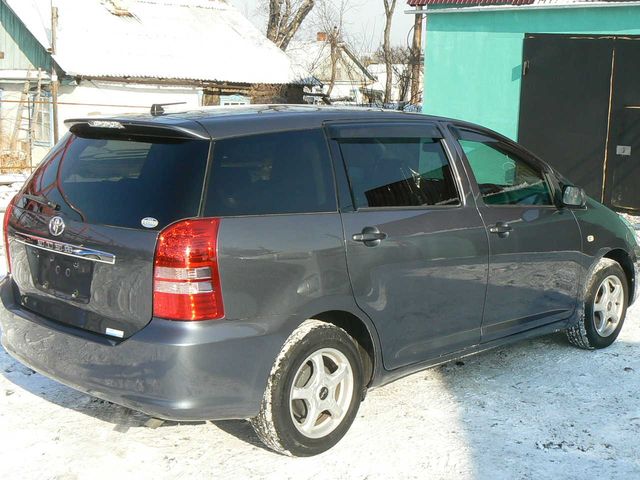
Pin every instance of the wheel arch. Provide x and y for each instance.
(363, 333)
(622, 258)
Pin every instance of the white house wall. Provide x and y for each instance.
(99, 98)
(380, 72)
(346, 90)
(89, 98)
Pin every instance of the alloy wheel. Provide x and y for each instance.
(608, 306)
(321, 393)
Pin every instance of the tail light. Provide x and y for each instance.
(5, 230)
(186, 280)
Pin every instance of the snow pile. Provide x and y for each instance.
(10, 184)
(634, 220)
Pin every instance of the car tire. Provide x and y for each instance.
(313, 392)
(605, 308)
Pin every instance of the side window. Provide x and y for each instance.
(503, 177)
(399, 172)
(276, 173)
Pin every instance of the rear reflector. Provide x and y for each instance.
(186, 280)
(5, 230)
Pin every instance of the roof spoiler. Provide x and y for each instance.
(187, 130)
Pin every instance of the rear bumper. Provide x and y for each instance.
(171, 370)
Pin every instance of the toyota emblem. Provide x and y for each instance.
(56, 226)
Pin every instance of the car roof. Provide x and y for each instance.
(224, 122)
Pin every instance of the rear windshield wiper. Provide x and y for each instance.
(42, 200)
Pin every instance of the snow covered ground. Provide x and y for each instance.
(9, 185)
(536, 410)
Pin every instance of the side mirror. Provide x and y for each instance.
(573, 196)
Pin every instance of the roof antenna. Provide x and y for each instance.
(157, 108)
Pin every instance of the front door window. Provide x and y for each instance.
(503, 177)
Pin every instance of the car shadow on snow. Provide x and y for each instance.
(542, 409)
(122, 418)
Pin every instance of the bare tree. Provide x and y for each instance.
(389, 8)
(285, 18)
(330, 20)
(333, 60)
(400, 59)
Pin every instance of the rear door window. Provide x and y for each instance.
(276, 173)
(399, 172)
(120, 181)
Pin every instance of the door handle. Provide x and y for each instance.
(502, 229)
(370, 236)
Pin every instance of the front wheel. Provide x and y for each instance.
(605, 308)
(313, 393)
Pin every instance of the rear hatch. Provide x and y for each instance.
(83, 230)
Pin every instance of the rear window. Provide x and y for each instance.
(120, 181)
(278, 173)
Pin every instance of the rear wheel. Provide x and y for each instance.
(313, 392)
(605, 308)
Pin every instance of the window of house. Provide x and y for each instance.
(234, 100)
(399, 172)
(42, 119)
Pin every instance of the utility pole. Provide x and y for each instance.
(416, 55)
(54, 74)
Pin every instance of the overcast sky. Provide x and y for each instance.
(365, 22)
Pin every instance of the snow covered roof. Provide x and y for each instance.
(37, 18)
(308, 54)
(206, 40)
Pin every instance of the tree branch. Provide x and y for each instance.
(289, 30)
(273, 24)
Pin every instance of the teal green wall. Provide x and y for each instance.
(473, 62)
(21, 50)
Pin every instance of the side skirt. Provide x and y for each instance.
(387, 376)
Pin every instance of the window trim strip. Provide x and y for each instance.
(353, 131)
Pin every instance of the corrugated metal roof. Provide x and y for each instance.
(206, 40)
(421, 3)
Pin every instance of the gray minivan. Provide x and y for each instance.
(275, 262)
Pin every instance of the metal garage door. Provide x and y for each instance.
(577, 111)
